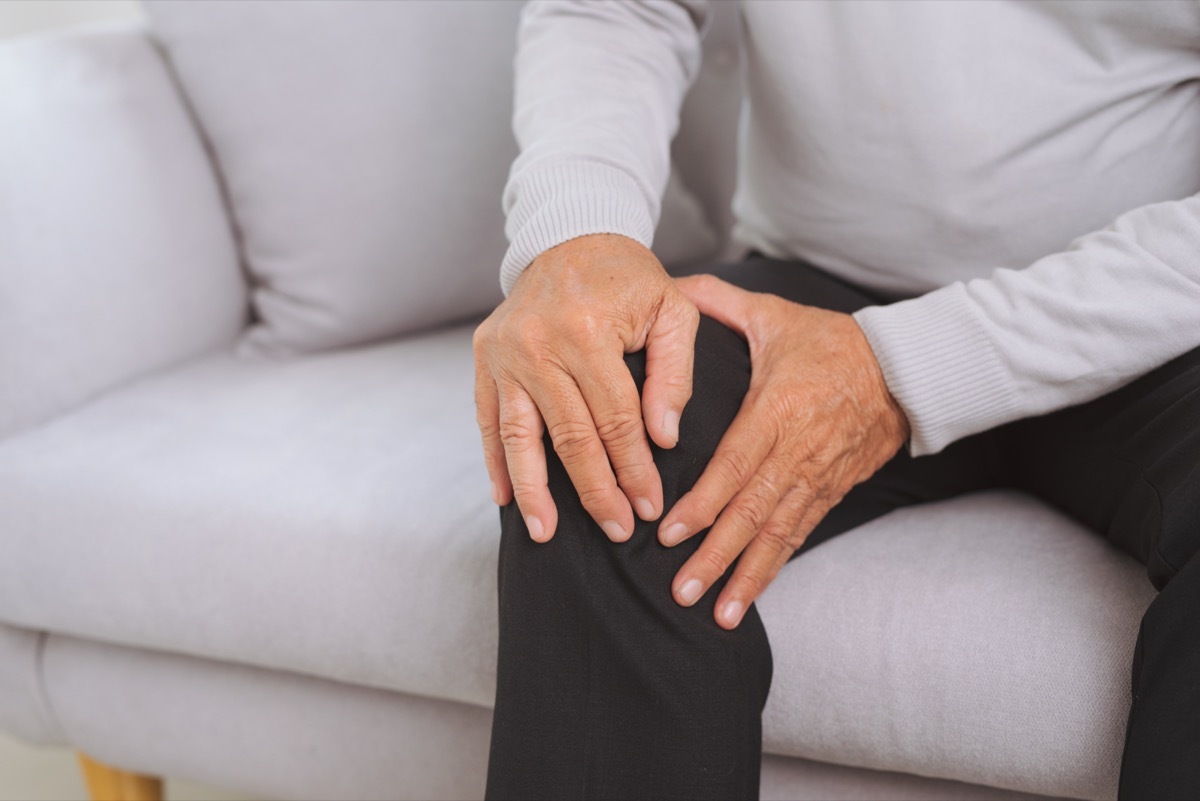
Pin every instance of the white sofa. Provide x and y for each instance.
(277, 575)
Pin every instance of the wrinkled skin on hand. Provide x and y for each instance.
(817, 420)
(551, 358)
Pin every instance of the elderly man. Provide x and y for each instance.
(975, 261)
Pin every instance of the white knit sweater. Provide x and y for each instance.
(1029, 169)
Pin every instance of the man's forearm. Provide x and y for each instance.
(598, 92)
(1073, 326)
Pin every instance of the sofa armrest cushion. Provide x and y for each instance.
(116, 253)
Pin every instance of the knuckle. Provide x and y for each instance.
(735, 466)
(572, 322)
(631, 473)
(497, 468)
(527, 334)
(516, 435)
(524, 491)
(803, 493)
(699, 509)
(785, 408)
(482, 335)
(745, 516)
(678, 383)
(485, 396)
(761, 494)
(572, 439)
(584, 326)
(712, 562)
(488, 427)
(593, 499)
(818, 460)
(778, 537)
(754, 578)
(621, 427)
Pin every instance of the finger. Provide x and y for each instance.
(738, 456)
(521, 435)
(582, 452)
(738, 525)
(670, 351)
(763, 558)
(612, 401)
(727, 304)
(487, 416)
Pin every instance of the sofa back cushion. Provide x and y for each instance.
(705, 151)
(365, 146)
(116, 253)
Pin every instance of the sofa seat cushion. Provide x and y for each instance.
(331, 516)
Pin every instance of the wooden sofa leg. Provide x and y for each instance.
(106, 783)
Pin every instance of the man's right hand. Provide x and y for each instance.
(550, 358)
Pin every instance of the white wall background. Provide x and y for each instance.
(19, 17)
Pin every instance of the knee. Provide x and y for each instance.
(720, 379)
(579, 567)
(582, 594)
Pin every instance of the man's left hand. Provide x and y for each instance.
(817, 420)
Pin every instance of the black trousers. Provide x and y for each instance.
(608, 689)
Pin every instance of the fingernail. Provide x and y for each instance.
(644, 508)
(671, 424)
(614, 531)
(689, 592)
(536, 530)
(496, 494)
(731, 615)
(674, 534)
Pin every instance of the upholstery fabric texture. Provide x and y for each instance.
(231, 492)
(331, 516)
(116, 254)
(1015, 624)
(365, 147)
(790, 779)
(265, 733)
(241, 728)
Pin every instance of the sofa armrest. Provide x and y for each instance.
(117, 255)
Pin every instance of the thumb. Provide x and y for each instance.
(670, 349)
(727, 304)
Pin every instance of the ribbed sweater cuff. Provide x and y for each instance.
(941, 366)
(566, 200)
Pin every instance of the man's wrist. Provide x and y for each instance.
(561, 202)
(941, 366)
(895, 420)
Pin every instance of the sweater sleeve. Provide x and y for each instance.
(598, 91)
(1071, 327)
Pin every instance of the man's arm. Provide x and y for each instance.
(598, 91)
(599, 86)
(1071, 327)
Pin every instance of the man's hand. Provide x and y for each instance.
(817, 420)
(550, 359)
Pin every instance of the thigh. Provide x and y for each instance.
(973, 463)
(1126, 465)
